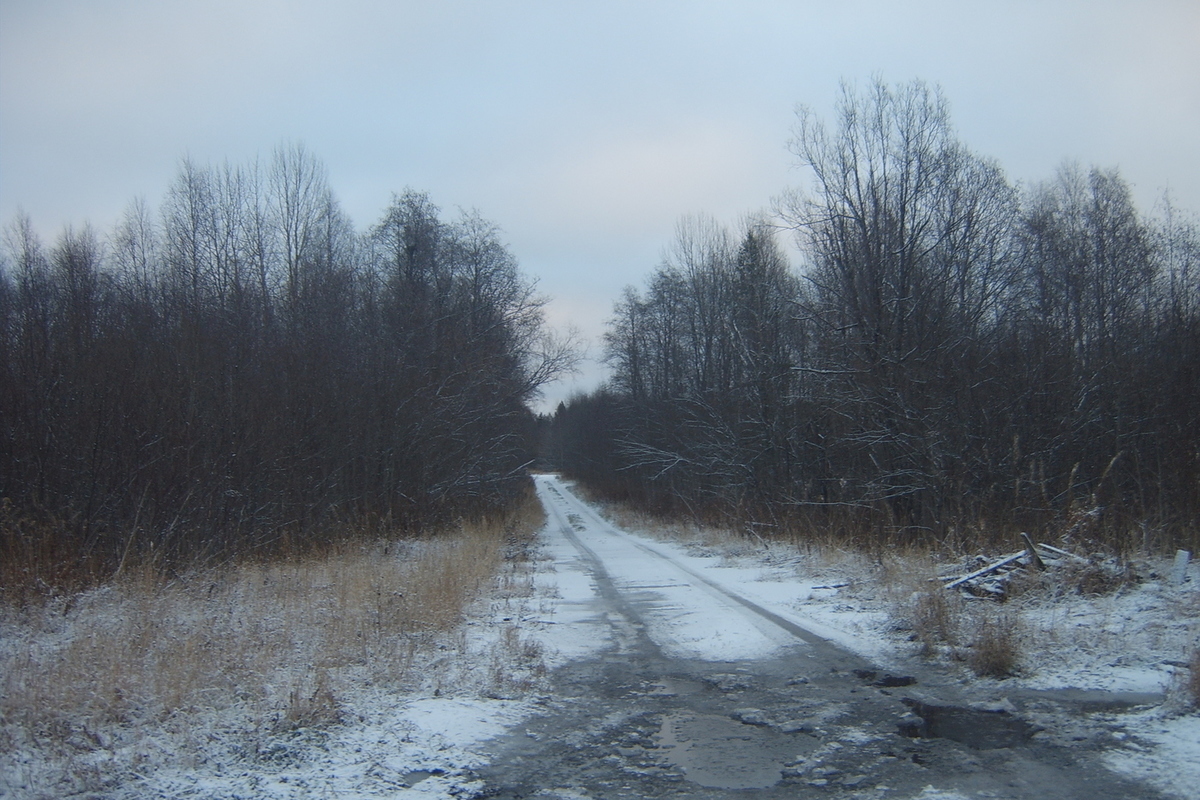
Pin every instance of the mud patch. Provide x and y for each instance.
(887, 680)
(721, 753)
(981, 730)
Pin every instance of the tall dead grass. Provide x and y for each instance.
(997, 645)
(944, 624)
(933, 617)
(270, 644)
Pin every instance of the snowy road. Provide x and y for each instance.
(688, 679)
(687, 613)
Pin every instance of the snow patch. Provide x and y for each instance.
(1163, 751)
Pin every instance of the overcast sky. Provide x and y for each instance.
(584, 129)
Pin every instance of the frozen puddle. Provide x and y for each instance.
(981, 730)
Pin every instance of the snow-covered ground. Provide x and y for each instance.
(423, 742)
(397, 724)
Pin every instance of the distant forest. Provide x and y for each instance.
(241, 370)
(956, 358)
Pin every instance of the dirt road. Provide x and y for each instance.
(699, 692)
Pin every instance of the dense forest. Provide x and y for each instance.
(954, 358)
(242, 370)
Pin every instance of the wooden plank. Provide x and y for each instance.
(1031, 551)
(1060, 552)
(985, 570)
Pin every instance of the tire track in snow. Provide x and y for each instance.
(787, 625)
(564, 505)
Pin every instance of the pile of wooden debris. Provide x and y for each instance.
(1094, 574)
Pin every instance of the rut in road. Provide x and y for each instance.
(700, 692)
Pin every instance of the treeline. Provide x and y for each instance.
(243, 368)
(956, 357)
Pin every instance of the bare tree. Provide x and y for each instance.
(908, 241)
(299, 199)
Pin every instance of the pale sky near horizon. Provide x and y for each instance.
(584, 129)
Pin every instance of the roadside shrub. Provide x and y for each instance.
(936, 618)
(995, 650)
(312, 703)
(919, 603)
(1098, 577)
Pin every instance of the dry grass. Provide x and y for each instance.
(936, 618)
(1082, 614)
(43, 556)
(988, 638)
(995, 650)
(918, 603)
(145, 649)
(517, 664)
(1094, 576)
(264, 647)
